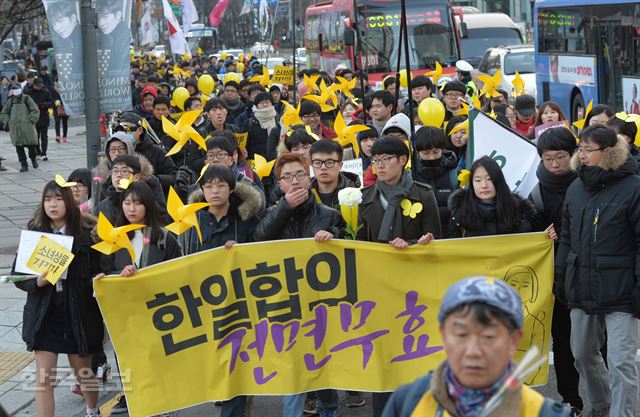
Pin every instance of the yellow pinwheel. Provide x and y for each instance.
(183, 131)
(114, 238)
(264, 79)
(345, 86)
(309, 132)
(580, 123)
(435, 74)
(347, 134)
(323, 98)
(202, 171)
(518, 84)
(184, 216)
(290, 116)
(464, 110)
(475, 100)
(460, 126)
(490, 84)
(262, 167)
(63, 183)
(311, 83)
(185, 57)
(179, 72)
(464, 177)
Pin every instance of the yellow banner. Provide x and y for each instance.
(50, 256)
(290, 316)
(282, 75)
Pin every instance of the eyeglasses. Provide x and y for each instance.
(329, 163)
(311, 116)
(217, 155)
(587, 150)
(127, 128)
(300, 175)
(383, 161)
(78, 187)
(119, 149)
(556, 159)
(123, 171)
(453, 96)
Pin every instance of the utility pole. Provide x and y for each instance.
(90, 67)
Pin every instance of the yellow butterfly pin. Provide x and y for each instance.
(125, 182)
(410, 209)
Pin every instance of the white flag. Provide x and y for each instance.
(176, 36)
(263, 17)
(189, 15)
(517, 157)
(146, 28)
(246, 7)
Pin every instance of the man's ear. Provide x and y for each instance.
(136, 177)
(403, 160)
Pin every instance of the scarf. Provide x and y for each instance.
(556, 183)
(391, 226)
(266, 117)
(469, 402)
(234, 105)
(378, 125)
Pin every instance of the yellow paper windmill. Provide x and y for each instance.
(345, 86)
(461, 126)
(323, 98)
(309, 132)
(183, 131)
(580, 123)
(62, 182)
(464, 110)
(186, 57)
(347, 134)
(518, 84)
(114, 238)
(491, 84)
(311, 83)
(184, 216)
(290, 116)
(264, 79)
(262, 167)
(435, 74)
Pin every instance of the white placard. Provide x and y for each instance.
(350, 165)
(28, 241)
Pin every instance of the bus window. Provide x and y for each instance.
(561, 30)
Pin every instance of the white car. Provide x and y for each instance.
(509, 59)
(272, 62)
(159, 51)
(260, 48)
(232, 52)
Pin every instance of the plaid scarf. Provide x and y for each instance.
(469, 402)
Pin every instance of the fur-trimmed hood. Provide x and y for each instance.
(614, 160)
(247, 204)
(103, 170)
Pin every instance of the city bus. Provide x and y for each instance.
(587, 51)
(433, 36)
(204, 37)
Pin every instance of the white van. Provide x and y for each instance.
(481, 31)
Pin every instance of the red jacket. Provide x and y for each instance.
(525, 128)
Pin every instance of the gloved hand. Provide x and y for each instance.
(183, 181)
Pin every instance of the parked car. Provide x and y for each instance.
(480, 31)
(261, 48)
(158, 51)
(511, 59)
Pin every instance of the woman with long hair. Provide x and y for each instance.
(63, 318)
(488, 207)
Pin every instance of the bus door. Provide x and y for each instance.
(609, 82)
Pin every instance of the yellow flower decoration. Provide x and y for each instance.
(518, 83)
(464, 177)
(184, 216)
(410, 209)
(326, 94)
(580, 123)
(62, 182)
(183, 131)
(490, 84)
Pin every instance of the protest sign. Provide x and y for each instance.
(517, 157)
(290, 316)
(29, 241)
(539, 130)
(282, 75)
(350, 165)
(50, 256)
(242, 139)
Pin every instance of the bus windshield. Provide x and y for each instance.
(431, 37)
(480, 39)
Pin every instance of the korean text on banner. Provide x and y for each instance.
(291, 316)
(29, 240)
(282, 75)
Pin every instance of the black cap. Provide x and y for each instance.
(526, 105)
(130, 117)
(38, 81)
(455, 85)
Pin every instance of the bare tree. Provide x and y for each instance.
(17, 12)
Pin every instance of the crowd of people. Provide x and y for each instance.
(588, 195)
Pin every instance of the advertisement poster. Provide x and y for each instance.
(630, 99)
(576, 70)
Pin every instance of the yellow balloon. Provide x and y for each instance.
(232, 76)
(240, 67)
(431, 112)
(205, 84)
(404, 82)
(223, 56)
(180, 94)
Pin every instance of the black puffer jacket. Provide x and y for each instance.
(346, 179)
(599, 254)
(44, 101)
(443, 179)
(488, 222)
(163, 167)
(86, 320)
(304, 221)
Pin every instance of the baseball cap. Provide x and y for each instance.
(525, 105)
(483, 289)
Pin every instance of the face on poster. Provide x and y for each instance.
(630, 99)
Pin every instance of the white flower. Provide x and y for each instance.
(349, 197)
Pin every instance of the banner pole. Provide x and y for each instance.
(407, 58)
(90, 68)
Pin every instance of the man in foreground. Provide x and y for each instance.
(481, 326)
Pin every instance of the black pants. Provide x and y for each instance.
(65, 122)
(563, 360)
(22, 157)
(379, 401)
(43, 139)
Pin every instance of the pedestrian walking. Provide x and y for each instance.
(19, 117)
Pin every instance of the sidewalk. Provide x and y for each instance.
(19, 197)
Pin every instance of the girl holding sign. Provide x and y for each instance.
(63, 318)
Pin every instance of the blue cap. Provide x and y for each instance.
(482, 289)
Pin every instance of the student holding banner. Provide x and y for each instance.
(63, 318)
